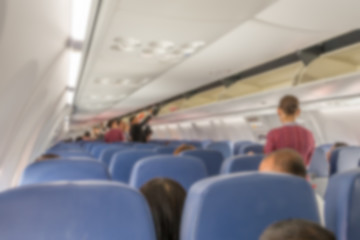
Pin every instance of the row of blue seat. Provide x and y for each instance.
(236, 206)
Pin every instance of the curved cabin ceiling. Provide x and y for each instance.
(144, 52)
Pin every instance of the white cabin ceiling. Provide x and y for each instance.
(123, 73)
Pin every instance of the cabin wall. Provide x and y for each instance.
(34, 66)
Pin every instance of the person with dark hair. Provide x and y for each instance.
(290, 135)
(183, 148)
(289, 161)
(296, 229)
(166, 200)
(86, 136)
(114, 134)
(334, 147)
(47, 157)
(138, 127)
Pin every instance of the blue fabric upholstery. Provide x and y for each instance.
(319, 165)
(242, 206)
(344, 159)
(211, 159)
(224, 147)
(240, 145)
(185, 170)
(64, 170)
(75, 211)
(254, 148)
(342, 208)
(67, 154)
(108, 153)
(123, 162)
(241, 164)
(165, 150)
(146, 146)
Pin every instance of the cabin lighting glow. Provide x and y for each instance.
(79, 18)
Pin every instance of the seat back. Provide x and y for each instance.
(64, 170)
(224, 147)
(146, 146)
(240, 145)
(97, 149)
(67, 154)
(123, 162)
(212, 159)
(185, 170)
(254, 148)
(319, 165)
(165, 150)
(241, 164)
(108, 153)
(342, 206)
(344, 159)
(75, 211)
(242, 206)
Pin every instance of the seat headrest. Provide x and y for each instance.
(344, 159)
(241, 164)
(185, 170)
(64, 170)
(211, 158)
(342, 208)
(87, 210)
(241, 206)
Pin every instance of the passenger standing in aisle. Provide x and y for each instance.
(114, 134)
(290, 135)
(138, 127)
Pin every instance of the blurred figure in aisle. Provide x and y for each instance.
(86, 136)
(296, 229)
(290, 135)
(97, 134)
(140, 130)
(334, 147)
(183, 148)
(114, 134)
(166, 200)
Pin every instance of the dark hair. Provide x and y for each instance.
(339, 145)
(289, 161)
(183, 148)
(132, 118)
(296, 229)
(87, 134)
(46, 157)
(111, 122)
(166, 199)
(289, 104)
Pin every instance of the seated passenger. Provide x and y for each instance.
(87, 137)
(334, 147)
(114, 134)
(46, 157)
(296, 229)
(290, 135)
(290, 162)
(183, 148)
(166, 199)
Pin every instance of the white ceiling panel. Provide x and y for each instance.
(315, 15)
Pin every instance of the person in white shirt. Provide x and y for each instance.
(289, 161)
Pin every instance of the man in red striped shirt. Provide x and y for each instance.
(290, 135)
(114, 134)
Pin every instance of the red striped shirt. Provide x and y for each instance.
(294, 137)
(114, 135)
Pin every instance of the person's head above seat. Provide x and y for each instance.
(183, 148)
(289, 109)
(336, 145)
(47, 156)
(296, 229)
(166, 199)
(113, 124)
(284, 161)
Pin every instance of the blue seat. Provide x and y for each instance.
(342, 206)
(185, 170)
(254, 148)
(75, 211)
(108, 153)
(242, 206)
(67, 154)
(319, 165)
(211, 159)
(196, 144)
(64, 170)
(240, 145)
(146, 146)
(123, 162)
(241, 164)
(344, 159)
(165, 150)
(224, 147)
(97, 149)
